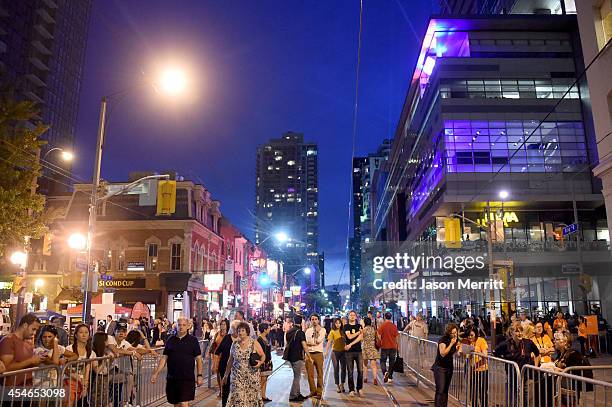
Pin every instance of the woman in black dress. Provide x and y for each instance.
(266, 368)
(442, 368)
(223, 351)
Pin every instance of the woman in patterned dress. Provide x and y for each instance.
(369, 351)
(244, 388)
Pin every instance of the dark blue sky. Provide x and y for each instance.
(263, 67)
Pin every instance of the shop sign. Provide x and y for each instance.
(123, 283)
(27, 298)
(213, 282)
(229, 270)
(288, 294)
(296, 289)
(178, 297)
(200, 296)
(6, 285)
(254, 297)
(135, 266)
(507, 218)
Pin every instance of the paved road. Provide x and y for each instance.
(402, 392)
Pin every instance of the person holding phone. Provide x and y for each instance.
(442, 368)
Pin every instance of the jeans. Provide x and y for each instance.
(357, 358)
(297, 376)
(442, 377)
(384, 354)
(339, 362)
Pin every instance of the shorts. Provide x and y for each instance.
(178, 391)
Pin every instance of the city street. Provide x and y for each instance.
(402, 392)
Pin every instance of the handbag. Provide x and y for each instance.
(398, 366)
(254, 356)
(215, 363)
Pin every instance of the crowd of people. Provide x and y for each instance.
(34, 344)
(543, 343)
(240, 353)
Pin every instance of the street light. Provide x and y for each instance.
(20, 259)
(64, 154)
(77, 241)
(171, 82)
(503, 194)
(307, 270)
(281, 237)
(39, 283)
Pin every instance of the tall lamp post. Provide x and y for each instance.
(20, 259)
(172, 82)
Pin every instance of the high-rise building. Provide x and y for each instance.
(286, 202)
(42, 49)
(363, 169)
(496, 129)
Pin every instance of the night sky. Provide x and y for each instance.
(262, 68)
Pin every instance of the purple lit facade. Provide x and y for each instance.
(481, 106)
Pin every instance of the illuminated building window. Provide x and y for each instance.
(270, 167)
(152, 251)
(290, 162)
(278, 158)
(311, 152)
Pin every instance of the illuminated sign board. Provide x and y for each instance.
(508, 217)
(296, 289)
(123, 283)
(213, 282)
(135, 266)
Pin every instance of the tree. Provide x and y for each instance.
(22, 208)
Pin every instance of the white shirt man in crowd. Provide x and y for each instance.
(419, 328)
(315, 336)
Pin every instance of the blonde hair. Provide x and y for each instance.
(529, 331)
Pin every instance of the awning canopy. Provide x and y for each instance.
(69, 295)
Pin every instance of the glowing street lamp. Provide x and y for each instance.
(503, 194)
(65, 155)
(20, 259)
(173, 81)
(77, 241)
(39, 283)
(307, 270)
(281, 237)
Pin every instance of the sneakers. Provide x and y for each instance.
(351, 393)
(390, 380)
(386, 378)
(359, 393)
(339, 389)
(342, 387)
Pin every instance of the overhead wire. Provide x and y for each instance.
(354, 134)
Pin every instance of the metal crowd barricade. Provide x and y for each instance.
(420, 354)
(600, 372)
(149, 393)
(491, 381)
(546, 388)
(45, 380)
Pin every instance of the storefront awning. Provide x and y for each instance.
(71, 295)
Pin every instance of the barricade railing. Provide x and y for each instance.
(420, 354)
(542, 387)
(599, 372)
(41, 384)
(491, 381)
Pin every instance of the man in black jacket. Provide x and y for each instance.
(296, 350)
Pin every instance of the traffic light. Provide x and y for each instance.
(166, 197)
(452, 233)
(47, 240)
(264, 280)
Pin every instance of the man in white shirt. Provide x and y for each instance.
(419, 328)
(315, 336)
(239, 317)
(122, 365)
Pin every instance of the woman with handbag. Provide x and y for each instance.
(266, 368)
(369, 350)
(246, 357)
